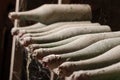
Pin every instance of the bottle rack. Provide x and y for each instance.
(20, 59)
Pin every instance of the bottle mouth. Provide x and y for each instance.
(13, 15)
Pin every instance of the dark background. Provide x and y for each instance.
(104, 12)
